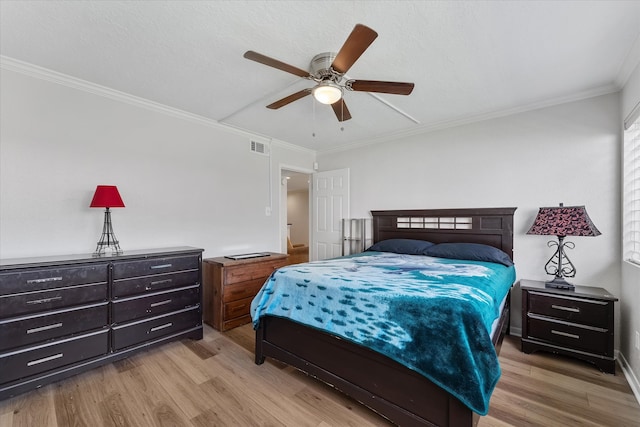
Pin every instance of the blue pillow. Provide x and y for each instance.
(469, 251)
(401, 246)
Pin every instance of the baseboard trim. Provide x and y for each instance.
(630, 376)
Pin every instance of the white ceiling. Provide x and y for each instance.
(469, 59)
(296, 181)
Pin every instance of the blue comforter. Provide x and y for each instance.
(433, 315)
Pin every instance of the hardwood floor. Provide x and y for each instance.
(214, 382)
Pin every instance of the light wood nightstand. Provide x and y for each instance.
(230, 285)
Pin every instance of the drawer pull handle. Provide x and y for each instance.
(565, 334)
(44, 300)
(156, 282)
(157, 304)
(157, 328)
(156, 267)
(45, 359)
(562, 307)
(44, 328)
(45, 280)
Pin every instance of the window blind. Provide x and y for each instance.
(631, 189)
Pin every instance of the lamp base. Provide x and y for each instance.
(108, 244)
(107, 250)
(559, 283)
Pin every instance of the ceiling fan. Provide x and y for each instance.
(328, 70)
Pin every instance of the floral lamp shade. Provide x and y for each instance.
(562, 221)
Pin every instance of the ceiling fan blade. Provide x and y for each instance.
(358, 41)
(341, 110)
(289, 99)
(258, 57)
(396, 88)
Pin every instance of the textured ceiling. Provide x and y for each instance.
(468, 59)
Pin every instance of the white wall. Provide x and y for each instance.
(567, 153)
(298, 216)
(630, 289)
(183, 182)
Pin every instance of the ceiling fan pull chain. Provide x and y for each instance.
(313, 108)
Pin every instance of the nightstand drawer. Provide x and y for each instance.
(237, 308)
(573, 309)
(242, 290)
(259, 270)
(578, 337)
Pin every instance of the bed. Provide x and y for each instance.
(402, 394)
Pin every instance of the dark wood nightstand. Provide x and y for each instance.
(575, 323)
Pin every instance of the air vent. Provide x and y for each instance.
(260, 148)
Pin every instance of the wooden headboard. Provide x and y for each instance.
(489, 226)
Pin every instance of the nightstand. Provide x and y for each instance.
(229, 287)
(575, 323)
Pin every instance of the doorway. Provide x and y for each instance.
(295, 218)
(327, 203)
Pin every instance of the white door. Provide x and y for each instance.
(330, 204)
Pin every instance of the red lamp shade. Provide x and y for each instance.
(106, 196)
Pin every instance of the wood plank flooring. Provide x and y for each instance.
(214, 382)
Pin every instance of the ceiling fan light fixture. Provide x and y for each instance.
(327, 92)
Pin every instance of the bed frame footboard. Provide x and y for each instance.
(396, 392)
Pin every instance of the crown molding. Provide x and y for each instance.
(436, 126)
(25, 68)
(629, 64)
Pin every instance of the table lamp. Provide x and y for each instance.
(562, 221)
(107, 196)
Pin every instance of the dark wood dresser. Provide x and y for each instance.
(577, 323)
(63, 315)
(230, 285)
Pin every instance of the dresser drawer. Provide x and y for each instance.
(138, 285)
(141, 331)
(242, 290)
(126, 309)
(38, 359)
(36, 301)
(573, 309)
(154, 266)
(21, 331)
(578, 337)
(258, 270)
(48, 278)
(237, 308)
